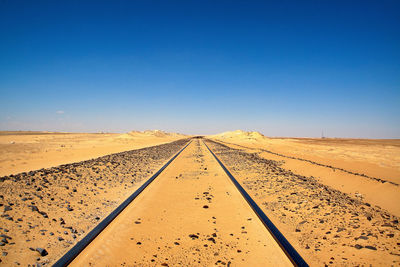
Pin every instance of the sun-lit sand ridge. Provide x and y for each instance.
(26, 151)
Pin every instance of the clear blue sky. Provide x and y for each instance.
(284, 68)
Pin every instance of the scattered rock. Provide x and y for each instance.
(193, 236)
(7, 208)
(42, 251)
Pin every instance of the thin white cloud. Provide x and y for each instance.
(60, 112)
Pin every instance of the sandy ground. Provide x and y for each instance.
(54, 208)
(336, 200)
(26, 151)
(191, 215)
(373, 157)
(325, 225)
(348, 160)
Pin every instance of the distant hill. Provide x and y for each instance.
(150, 133)
(239, 134)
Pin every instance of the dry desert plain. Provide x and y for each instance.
(335, 200)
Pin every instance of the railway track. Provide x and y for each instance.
(205, 221)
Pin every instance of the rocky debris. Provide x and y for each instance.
(7, 208)
(323, 165)
(69, 200)
(211, 239)
(42, 251)
(321, 218)
(193, 236)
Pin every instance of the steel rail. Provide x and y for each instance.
(289, 250)
(81, 245)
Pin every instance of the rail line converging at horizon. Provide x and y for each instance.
(135, 204)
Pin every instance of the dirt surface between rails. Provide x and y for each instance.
(325, 225)
(54, 208)
(191, 215)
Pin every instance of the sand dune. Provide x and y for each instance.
(149, 133)
(238, 135)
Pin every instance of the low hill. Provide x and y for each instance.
(239, 135)
(150, 133)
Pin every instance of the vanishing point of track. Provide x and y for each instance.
(283, 243)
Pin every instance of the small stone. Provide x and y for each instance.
(357, 246)
(211, 239)
(44, 214)
(205, 207)
(370, 247)
(33, 208)
(7, 208)
(42, 251)
(5, 236)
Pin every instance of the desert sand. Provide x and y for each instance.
(330, 216)
(26, 151)
(339, 163)
(335, 200)
(191, 215)
(54, 208)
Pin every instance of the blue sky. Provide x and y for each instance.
(284, 68)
